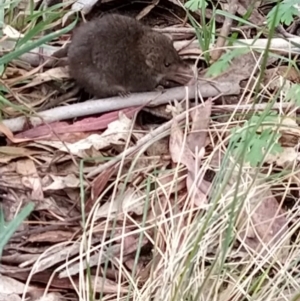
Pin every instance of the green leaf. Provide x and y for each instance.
(257, 143)
(33, 44)
(194, 5)
(284, 13)
(2, 69)
(293, 94)
(224, 61)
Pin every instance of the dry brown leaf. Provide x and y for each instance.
(8, 153)
(178, 148)
(131, 264)
(266, 223)
(200, 122)
(58, 73)
(25, 76)
(11, 297)
(262, 223)
(243, 8)
(94, 260)
(8, 133)
(117, 133)
(98, 185)
(241, 68)
(274, 77)
(159, 148)
(84, 125)
(51, 297)
(11, 204)
(51, 236)
(11, 286)
(30, 178)
(129, 201)
(180, 152)
(142, 164)
(130, 243)
(147, 10)
(107, 286)
(285, 158)
(57, 205)
(11, 72)
(53, 256)
(133, 200)
(197, 191)
(289, 72)
(145, 273)
(58, 183)
(171, 182)
(287, 127)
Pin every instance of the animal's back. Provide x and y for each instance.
(100, 51)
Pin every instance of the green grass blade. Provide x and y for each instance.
(7, 230)
(31, 45)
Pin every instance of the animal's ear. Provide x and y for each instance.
(150, 59)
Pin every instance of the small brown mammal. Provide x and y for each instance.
(116, 55)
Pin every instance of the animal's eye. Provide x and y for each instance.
(167, 64)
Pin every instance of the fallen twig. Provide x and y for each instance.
(222, 38)
(91, 107)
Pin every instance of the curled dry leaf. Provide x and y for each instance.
(51, 236)
(179, 150)
(191, 151)
(130, 201)
(133, 201)
(147, 10)
(200, 122)
(159, 148)
(145, 272)
(198, 195)
(181, 153)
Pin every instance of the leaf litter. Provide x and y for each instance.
(165, 211)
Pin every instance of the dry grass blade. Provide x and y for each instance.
(199, 202)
